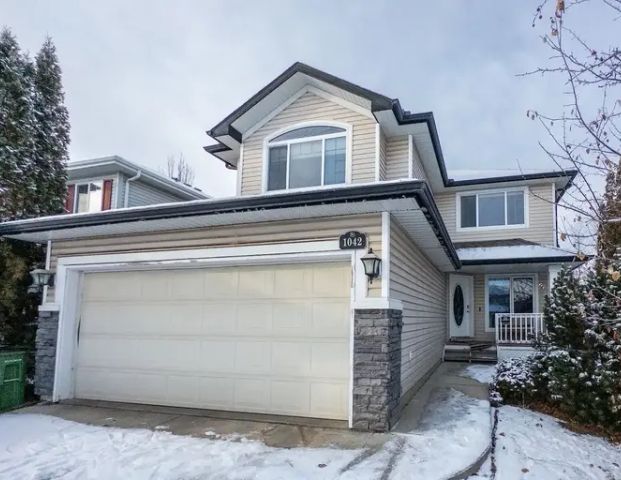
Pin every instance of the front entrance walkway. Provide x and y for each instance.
(448, 377)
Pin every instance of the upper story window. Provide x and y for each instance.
(492, 209)
(307, 157)
(88, 196)
(91, 196)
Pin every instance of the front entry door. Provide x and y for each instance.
(461, 306)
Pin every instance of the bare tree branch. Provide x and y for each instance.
(180, 170)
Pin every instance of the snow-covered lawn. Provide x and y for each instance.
(530, 445)
(32, 446)
(483, 373)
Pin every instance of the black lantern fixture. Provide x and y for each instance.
(371, 264)
(41, 278)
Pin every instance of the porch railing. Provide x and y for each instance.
(518, 328)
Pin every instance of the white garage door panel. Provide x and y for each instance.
(270, 339)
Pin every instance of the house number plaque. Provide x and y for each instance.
(352, 240)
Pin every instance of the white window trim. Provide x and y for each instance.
(535, 278)
(469, 193)
(240, 170)
(87, 181)
(410, 156)
(319, 123)
(378, 156)
(115, 191)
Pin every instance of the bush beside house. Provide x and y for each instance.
(577, 366)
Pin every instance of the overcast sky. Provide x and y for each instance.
(144, 79)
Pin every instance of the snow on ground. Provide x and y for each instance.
(448, 441)
(530, 445)
(39, 446)
(481, 372)
(455, 431)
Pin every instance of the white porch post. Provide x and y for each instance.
(553, 271)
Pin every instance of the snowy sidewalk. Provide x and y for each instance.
(34, 446)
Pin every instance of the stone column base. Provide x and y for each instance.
(45, 354)
(377, 369)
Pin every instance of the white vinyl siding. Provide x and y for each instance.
(397, 159)
(228, 236)
(540, 219)
(422, 288)
(268, 339)
(418, 171)
(142, 194)
(311, 107)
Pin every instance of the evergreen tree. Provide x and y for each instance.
(603, 342)
(34, 136)
(563, 313)
(609, 231)
(52, 130)
(17, 127)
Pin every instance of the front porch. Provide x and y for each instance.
(496, 310)
(514, 337)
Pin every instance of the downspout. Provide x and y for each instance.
(131, 179)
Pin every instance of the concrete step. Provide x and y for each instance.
(457, 353)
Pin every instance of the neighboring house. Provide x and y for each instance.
(112, 182)
(249, 304)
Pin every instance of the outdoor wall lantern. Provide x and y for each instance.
(41, 278)
(371, 264)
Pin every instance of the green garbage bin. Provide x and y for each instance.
(12, 378)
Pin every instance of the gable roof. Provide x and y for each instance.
(229, 132)
(111, 165)
(225, 126)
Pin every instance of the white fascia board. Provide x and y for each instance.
(510, 252)
(385, 254)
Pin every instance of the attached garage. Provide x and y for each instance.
(268, 339)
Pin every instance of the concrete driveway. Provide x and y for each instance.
(180, 421)
(445, 432)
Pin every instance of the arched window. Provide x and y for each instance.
(308, 156)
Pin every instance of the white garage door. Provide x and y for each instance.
(269, 339)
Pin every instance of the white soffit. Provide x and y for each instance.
(507, 268)
(510, 252)
(417, 227)
(559, 182)
(404, 210)
(422, 139)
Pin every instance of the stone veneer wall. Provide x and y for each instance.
(45, 355)
(377, 369)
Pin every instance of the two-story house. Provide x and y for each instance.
(107, 183)
(328, 287)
